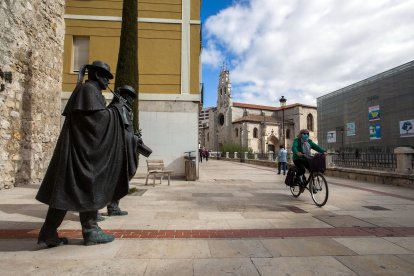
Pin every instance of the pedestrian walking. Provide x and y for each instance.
(281, 160)
(200, 153)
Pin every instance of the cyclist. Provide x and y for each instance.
(301, 149)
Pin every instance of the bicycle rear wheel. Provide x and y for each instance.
(319, 189)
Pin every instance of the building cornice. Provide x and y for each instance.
(150, 97)
(119, 19)
(271, 108)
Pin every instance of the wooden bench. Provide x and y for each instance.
(156, 168)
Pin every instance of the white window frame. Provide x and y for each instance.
(80, 60)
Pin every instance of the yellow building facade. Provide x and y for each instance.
(169, 51)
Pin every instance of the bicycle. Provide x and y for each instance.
(318, 187)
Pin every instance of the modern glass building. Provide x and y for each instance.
(374, 114)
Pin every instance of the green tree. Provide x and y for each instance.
(127, 66)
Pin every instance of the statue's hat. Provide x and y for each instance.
(101, 67)
(127, 89)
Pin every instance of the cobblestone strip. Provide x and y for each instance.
(235, 233)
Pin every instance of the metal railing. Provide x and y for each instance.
(366, 160)
(263, 156)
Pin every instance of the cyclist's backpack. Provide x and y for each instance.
(317, 163)
(290, 176)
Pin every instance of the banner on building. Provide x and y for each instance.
(350, 129)
(374, 113)
(407, 128)
(331, 136)
(375, 132)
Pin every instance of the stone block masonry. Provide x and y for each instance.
(31, 50)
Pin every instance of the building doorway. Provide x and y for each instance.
(272, 143)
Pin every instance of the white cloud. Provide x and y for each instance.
(305, 49)
(212, 56)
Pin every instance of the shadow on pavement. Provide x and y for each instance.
(33, 210)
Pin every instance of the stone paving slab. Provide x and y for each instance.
(372, 245)
(299, 266)
(238, 249)
(162, 249)
(97, 267)
(377, 265)
(406, 242)
(223, 266)
(169, 267)
(343, 221)
(407, 258)
(302, 247)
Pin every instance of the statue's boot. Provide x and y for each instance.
(48, 234)
(51, 240)
(91, 232)
(114, 210)
(95, 235)
(100, 218)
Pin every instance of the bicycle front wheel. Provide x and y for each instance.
(319, 189)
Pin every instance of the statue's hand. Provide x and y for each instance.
(139, 133)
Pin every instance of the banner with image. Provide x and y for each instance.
(350, 129)
(407, 128)
(331, 136)
(375, 132)
(374, 113)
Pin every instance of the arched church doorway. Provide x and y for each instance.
(272, 143)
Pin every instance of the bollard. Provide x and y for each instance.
(290, 157)
(270, 155)
(404, 157)
(227, 155)
(255, 156)
(329, 160)
(235, 155)
(246, 155)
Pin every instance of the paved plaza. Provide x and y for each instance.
(237, 219)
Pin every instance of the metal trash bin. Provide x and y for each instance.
(190, 167)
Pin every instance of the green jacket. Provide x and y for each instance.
(297, 147)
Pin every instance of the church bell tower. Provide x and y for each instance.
(224, 89)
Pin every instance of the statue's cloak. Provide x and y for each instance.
(131, 139)
(89, 167)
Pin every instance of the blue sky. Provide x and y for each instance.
(210, 73)
(301, 49)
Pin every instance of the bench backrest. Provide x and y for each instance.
(155, 165)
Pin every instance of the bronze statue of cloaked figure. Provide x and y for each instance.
(89, 167)
(123, 102)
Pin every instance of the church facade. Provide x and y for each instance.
(256, 128)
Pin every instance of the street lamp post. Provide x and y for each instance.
(241, 143)
(341, 129)
(282, 101)
(217, 145)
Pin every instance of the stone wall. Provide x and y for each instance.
(31, 49)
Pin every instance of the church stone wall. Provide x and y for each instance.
(31, 49)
